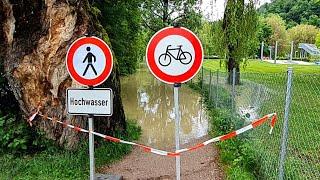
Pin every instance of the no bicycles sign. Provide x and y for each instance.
(174, 55)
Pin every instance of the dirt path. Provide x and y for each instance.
(201, 164)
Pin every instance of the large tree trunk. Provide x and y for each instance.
(231, 75)
(36, 36)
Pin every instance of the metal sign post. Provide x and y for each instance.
(91, 148)
(276, 52)
(291, 52)
(89, 62)
(261, 53)
(176, 87)
(173, 68)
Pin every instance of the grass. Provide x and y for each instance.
(257, 66)
(303, 145)
(63, 164)
(234, 153)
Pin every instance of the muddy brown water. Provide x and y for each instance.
(149, 102)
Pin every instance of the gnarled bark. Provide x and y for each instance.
(36, 35)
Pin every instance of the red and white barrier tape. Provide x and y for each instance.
(230, 135)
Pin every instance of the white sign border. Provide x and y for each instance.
(156, 76)
(88, 89)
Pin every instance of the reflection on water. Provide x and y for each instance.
(150, 102)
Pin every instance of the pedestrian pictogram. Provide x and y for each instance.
(89, 58)
(89, 61)
(174, 55)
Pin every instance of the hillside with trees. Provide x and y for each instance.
(294, 12)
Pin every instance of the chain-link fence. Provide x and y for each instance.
(293, 150)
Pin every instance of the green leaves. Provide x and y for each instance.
(158, 14)
(303, 34)
(122, 21)
(240, 27)
(318, 40)
(295, 11)
(13, 135)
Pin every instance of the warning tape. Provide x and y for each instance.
(230, 135)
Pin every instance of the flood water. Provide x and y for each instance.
(150, 103)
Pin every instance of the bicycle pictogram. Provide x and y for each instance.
(183, 56)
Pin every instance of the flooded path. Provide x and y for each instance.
(150, 103)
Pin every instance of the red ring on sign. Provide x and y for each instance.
(108, 57)
(151, 61)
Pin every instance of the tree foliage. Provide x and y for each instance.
(303, 34)
(211, 38)
(240, 25)
(264, 30)
(122, 21)
(159, 14)
(279, 33)
(295, 12)
(318, 40)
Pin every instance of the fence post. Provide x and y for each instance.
(276, 52)
(261, 53)
(217, 88)
(285, 130)
(202, 79)
(233, 88)
(210, 87)
(291, 52)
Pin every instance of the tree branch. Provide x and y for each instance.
(178, 17)
(148, 26)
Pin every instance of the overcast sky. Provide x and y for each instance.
(213, 9)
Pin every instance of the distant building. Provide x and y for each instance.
(307, 50)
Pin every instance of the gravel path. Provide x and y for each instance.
(293, 62)
(201, 164)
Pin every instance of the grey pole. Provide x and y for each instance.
(202, 79)
(284, 139)
(291, 52)
(233, 87)
(262, 46)
(210, 83)
(176, 87)
(270, 56)
(217, 88)
(276, 52)
(91, 148)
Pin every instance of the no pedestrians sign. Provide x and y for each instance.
(89, 61)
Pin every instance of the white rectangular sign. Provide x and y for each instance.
(96, 101)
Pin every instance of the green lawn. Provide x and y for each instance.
(304, 124)
(258, 66)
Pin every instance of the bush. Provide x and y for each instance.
(65, 164)
(15, 134)
(12, 134)
(18, 138)
(236, 153)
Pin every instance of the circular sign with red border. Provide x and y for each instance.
(89, 61)
(174, 55)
